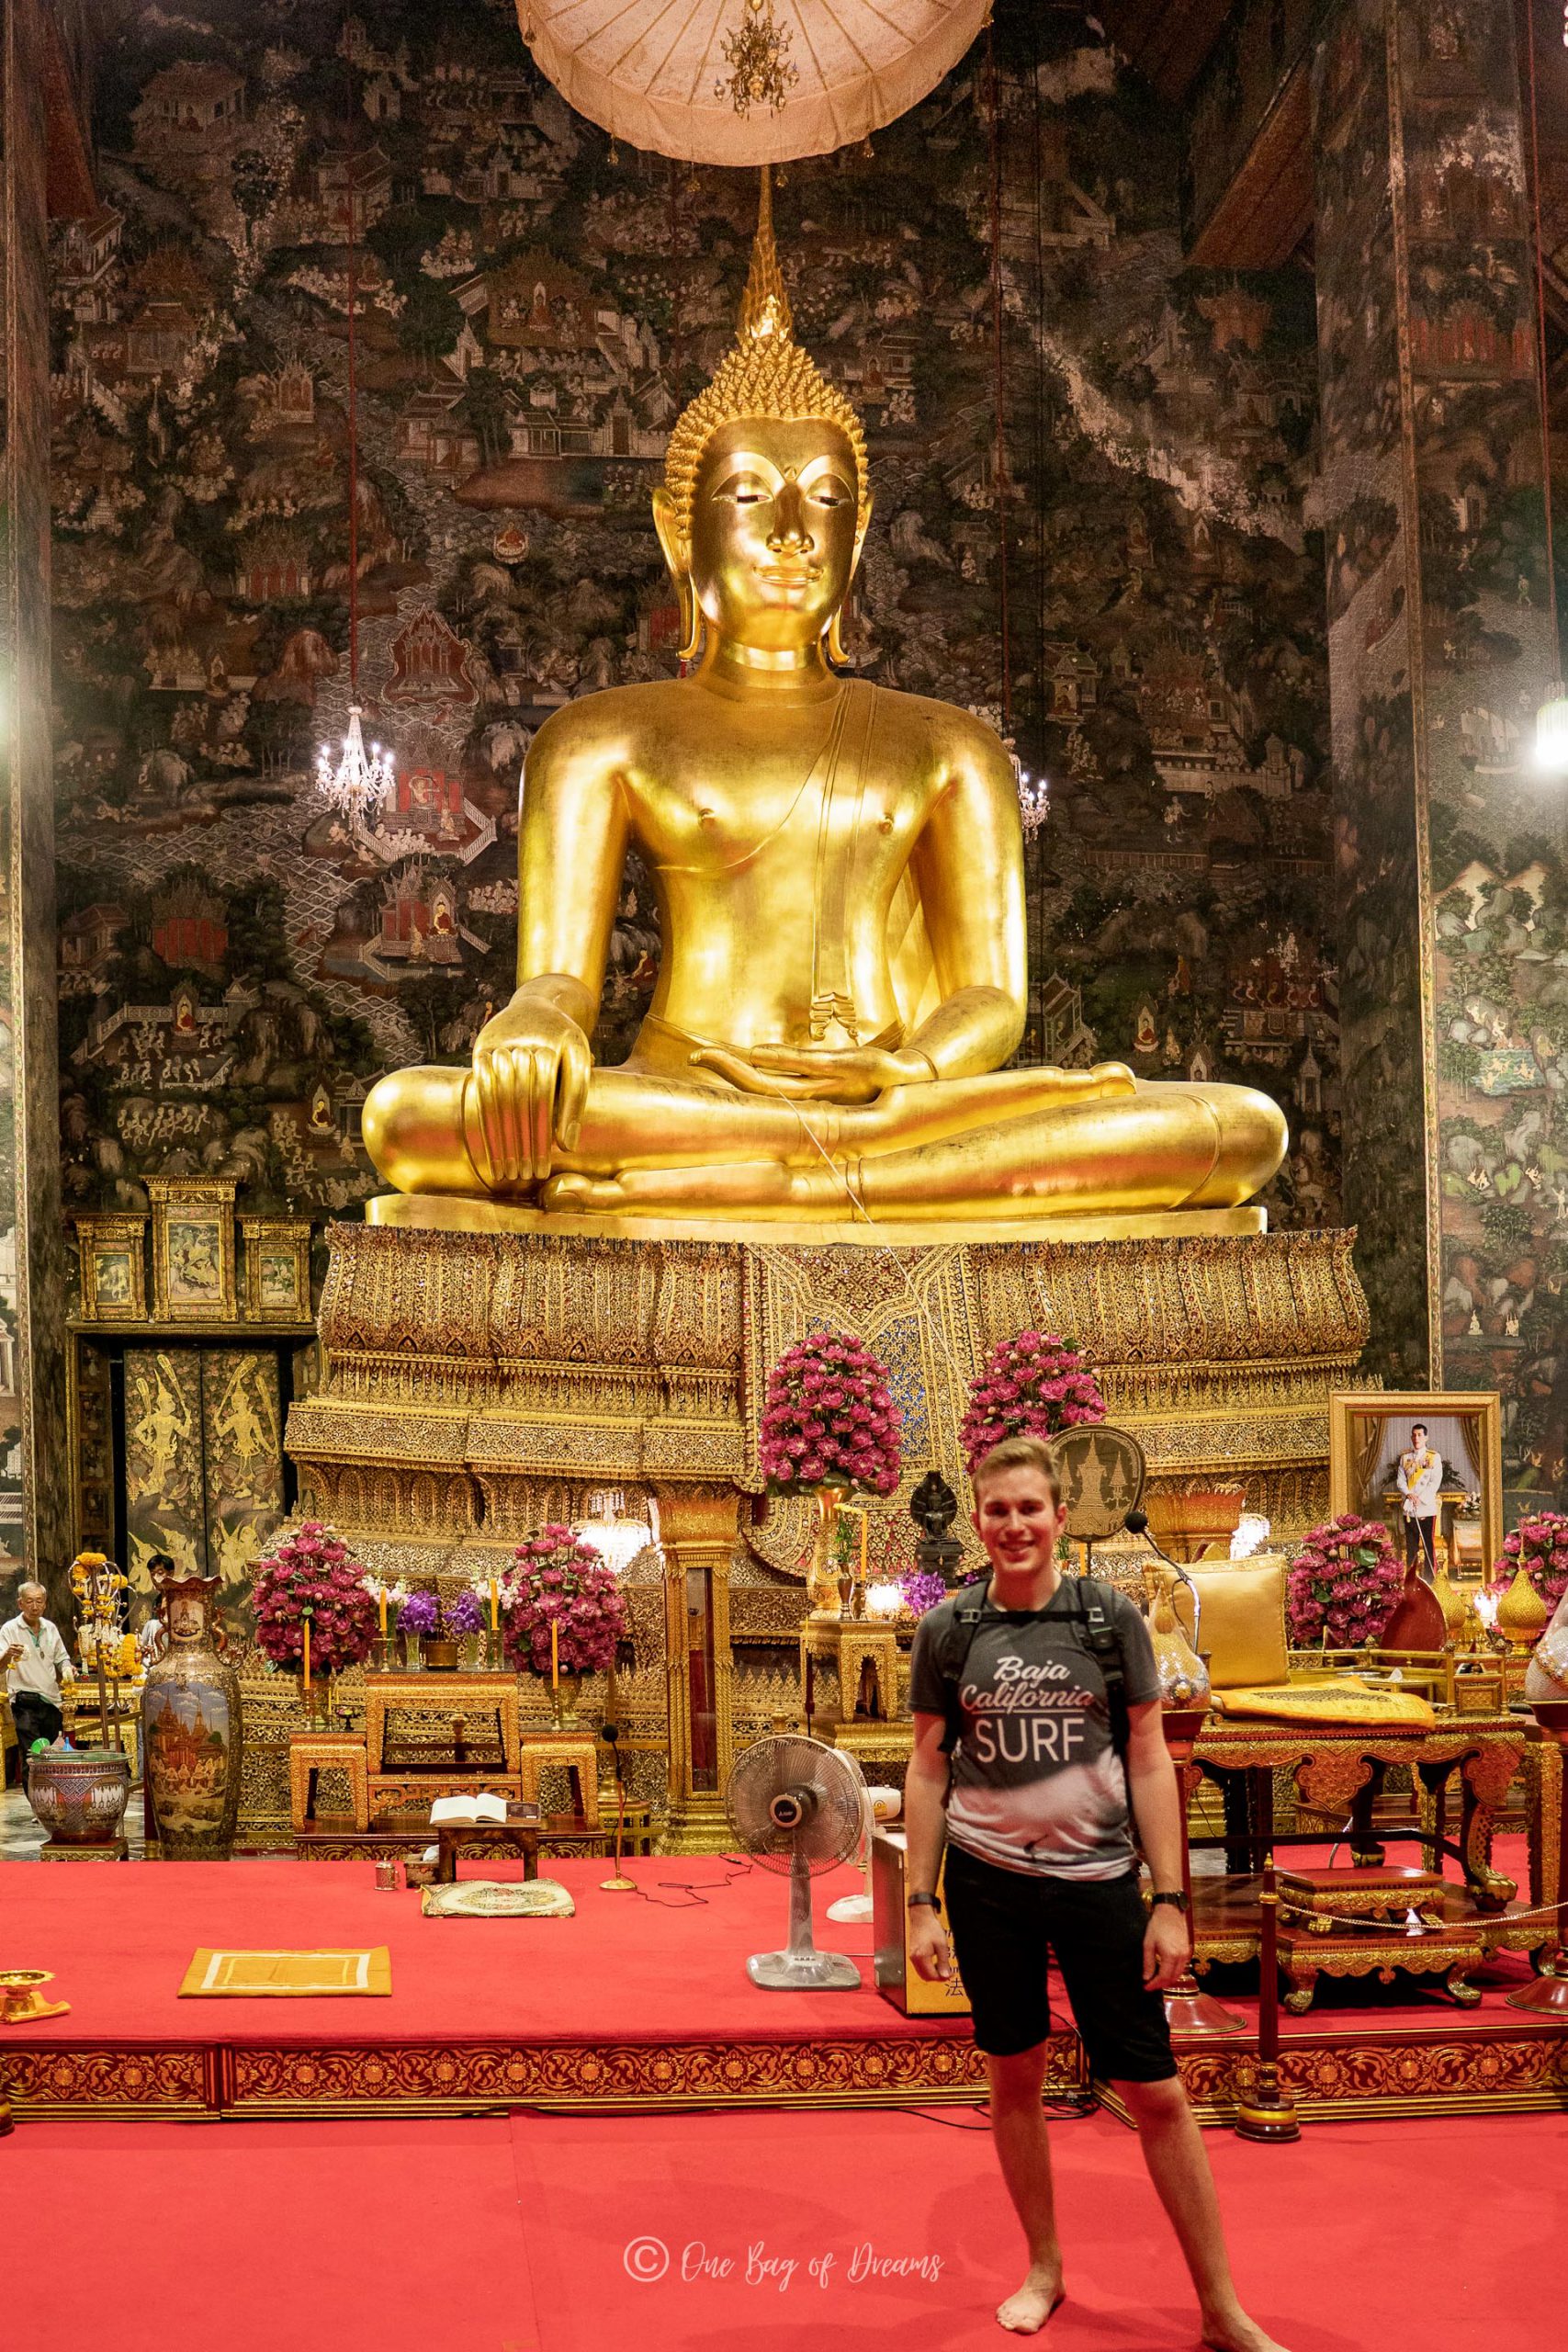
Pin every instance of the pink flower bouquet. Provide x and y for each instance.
(558, 1580)
(1036, 1386)
(1343, 1585)
(311, 1572)
(1541, 1544)
(830, 1420)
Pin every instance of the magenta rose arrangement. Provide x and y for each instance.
(311, 1574)
(558, 1580)
(1034, 1386)
(828, 1419)
(1539, 1544)
(1343, 1585)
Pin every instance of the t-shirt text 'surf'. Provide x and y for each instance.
(1037, 1785)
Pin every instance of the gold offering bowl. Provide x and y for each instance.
(21, 1996)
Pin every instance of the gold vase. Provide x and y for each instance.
(1522, 1613)
(566, 1700)
(1183, 1676)
(1450, 1600)
(821, 1577)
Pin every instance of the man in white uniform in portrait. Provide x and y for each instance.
(1420, 1479)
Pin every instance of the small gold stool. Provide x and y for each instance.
(309, 1752)
(577, 1753)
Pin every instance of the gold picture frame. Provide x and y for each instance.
(277, 1269)
(1365, 1426)
(193, 1250)
(113, 1255)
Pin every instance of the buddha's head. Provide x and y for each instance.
(765, 499)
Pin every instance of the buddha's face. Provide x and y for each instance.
(774, 533)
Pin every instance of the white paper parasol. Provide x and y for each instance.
(655, 72)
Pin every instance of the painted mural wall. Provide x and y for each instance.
(236, 966)
(1448, 839)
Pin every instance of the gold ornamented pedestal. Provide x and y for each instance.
(478, 1382)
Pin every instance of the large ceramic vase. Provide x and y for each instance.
(191, 1733)
(78, 1794)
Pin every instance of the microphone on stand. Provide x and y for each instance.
(1137, 1523)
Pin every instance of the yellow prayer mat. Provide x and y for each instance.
(293, 1975)
(1348, 1700)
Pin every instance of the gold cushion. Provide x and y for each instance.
(1242, 1630)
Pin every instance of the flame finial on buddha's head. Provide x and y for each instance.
(767, 374)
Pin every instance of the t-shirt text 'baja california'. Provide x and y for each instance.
(1037, 1784)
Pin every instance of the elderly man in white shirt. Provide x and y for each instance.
(34, 1659)
(1420, 1481)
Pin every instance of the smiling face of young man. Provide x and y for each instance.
(1020, 1522)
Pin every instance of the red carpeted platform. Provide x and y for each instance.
(684, 2233)
(639, 2001)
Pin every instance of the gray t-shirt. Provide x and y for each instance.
(1037, 1785)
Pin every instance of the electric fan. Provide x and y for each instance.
(876, 1804)
(795, 1805)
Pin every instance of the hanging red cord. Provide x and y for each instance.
(994, 126)
(1540, 336)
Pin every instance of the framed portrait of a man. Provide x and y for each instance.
(1427, 1464)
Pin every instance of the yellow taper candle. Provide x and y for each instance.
(307, 1625)
(555, 1656)
(494, 1606)
(381, 1599)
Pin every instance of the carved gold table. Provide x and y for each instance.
(848, 1646)
(312, 1752)
(1453, 1951)
(1338, 1769)
(577, 1753)
(447, 1697)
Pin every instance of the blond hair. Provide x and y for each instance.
(766, 374)
(1018, 1453)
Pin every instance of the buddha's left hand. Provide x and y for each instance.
(819, 1073)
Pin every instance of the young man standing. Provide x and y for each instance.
(1037, 1806)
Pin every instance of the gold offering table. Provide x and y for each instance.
(486, 1370)
(399, 1775)
(1336, 1770)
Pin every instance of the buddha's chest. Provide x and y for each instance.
(784, 806)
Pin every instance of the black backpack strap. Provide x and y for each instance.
(1092, 1605)
(955, 1656)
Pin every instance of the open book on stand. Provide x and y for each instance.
(466, 1809)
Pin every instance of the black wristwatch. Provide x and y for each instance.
(1176, 1900)
(910, 1901)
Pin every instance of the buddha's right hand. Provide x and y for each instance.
(531, 1070)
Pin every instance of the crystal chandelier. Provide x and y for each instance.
(355, 779)
(757, 54)
(607, 1531)
(1033, 798)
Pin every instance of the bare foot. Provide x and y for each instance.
(1236, 2332)
(1026, 2313)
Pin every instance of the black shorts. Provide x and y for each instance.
(1006, 1924)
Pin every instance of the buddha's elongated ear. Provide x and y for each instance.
(835, 649)
(671, 539)
(678, 558)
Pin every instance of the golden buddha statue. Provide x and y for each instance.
(840, 877)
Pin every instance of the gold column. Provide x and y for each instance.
(698, 1527)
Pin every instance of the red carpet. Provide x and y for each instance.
(668, 1967)
(121, 1938)
(416, 2237)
